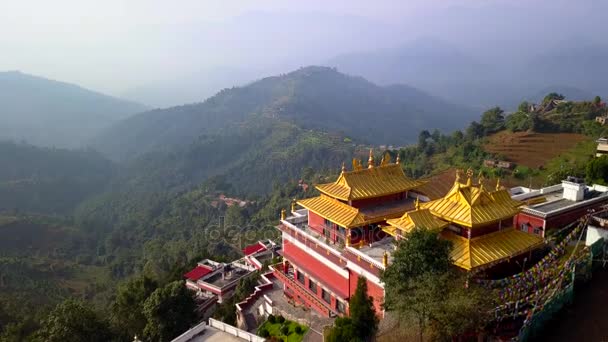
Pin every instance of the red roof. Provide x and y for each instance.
(252, 249)
(197, 273)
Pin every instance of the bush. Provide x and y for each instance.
(285, 330)
(298, 329)
(280, 319)
(263, 332)
(272, 319)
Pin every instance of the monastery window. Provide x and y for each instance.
(301, 277)
(312, 286)
(537, 231)
(326, 297)
(340, 306)
(328, 223)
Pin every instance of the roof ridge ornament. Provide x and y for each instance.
(497, 184)
(469, 176)
(370, 161)
(398, 160)
(343, 167)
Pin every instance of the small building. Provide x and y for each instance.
(558, 205)
(216, 281)
(597, 229)
(217, 331)
(260, 252)
(602, 147)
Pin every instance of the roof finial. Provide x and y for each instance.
(497, 184)
(370, 161)
(398, 160)
(469, 176)
(480, 179)
(293, 205)
(417, 202)
(385, 259)
(458, 175)
(283, 214)
(343, 167)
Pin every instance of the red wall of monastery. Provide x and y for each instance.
(326, 276)
(531, 221)
(316, 222)
(374, 290)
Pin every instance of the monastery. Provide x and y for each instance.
(350, 230)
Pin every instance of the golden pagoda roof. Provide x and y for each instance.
(372, 182)
(337, 212)
(489, 249)
(421, 218)
(471, 205)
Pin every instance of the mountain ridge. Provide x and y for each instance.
(46, 112)
(313, 97)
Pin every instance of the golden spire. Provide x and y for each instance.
(385, 259)
(283, 214)
(343, 167)
(417, 203)
(469, 176)
(370, 161)
(398, 160)
(497, 184)
(293, 205)
(480, 179)
(386, 159)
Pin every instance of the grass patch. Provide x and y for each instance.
(274, 330)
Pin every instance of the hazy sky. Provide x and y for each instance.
(115, 45)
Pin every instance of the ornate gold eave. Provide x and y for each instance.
(383, 180)
(490, 249)
(472, 206)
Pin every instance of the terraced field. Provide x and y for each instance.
(532, 149)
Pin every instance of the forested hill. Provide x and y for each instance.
(49, 181)
(50, 113)
(312, 97)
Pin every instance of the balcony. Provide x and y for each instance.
(297, 289)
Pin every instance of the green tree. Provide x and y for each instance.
(362, 312)
(127, 308)
(74, 321)
(597, 100)
(552, 96)
(422, 288)
(363, 321)
(492, 120)
(169, 311)
(597, 170)
(474, 131)
(423, 138)
(524, 107)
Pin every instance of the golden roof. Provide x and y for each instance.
(471, 205)
(490, 249)
(421, 218)
(368, 183)
(337, 212)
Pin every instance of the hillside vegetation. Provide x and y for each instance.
(311, 97)
(50, 113)
(531, 149)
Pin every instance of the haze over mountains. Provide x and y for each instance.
(318, 98)
(52, 113)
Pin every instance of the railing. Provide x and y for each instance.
(312, 300)
(229, 329)
(258, 290)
